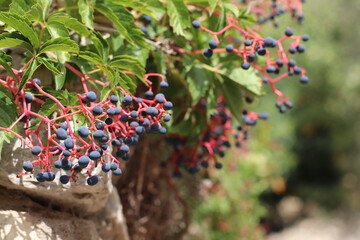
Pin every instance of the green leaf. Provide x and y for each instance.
(123, 21)
(48, 108)
(45, 5)
(14, 40)
(35, 13)
(70, 23)
(128, 63)
(138, 5)
(29, 71)
(105, 91)
(21, 7)
(61, 44)
(179, 16)
(212, 4)
(198, 80)
(22, 25)
(101, 45)
(56, 30)
(232, 93)
(92, 57)
(8, 111)
(48, 65)
(86, 10)
(60, 79)
(248, 79)
(4, 137)
(3, 61)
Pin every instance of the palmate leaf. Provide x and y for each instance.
(21, 24)
(49, 65)
(86, 10)
(4, 59)
(198, 80)
(128, 63)
(56, 30)
(212, 4)
(232, 93)
(21, 7)
(70, 23)
(92, 57)
(60, 44)
(29, 71)
(123, 21)
(247, 79)
(15, 40)
(179, 16)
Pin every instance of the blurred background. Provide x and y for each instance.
(298, 177)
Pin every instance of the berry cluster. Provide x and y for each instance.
(276, 8)
(253, 46)
(213, 141)
(74, 147)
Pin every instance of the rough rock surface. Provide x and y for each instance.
(49, 210)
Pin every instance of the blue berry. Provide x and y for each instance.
(36, 150)
(168, 105)
(289, 32)
(140, 130)
(304, 79)
(28, 98)
(64, 179)
(110, 111)
(154, 127)
(218, 165)
(40, 177)
(49, 176)
(143, 29)
(58, 164)
(162, 130)
(208, 52)
(164, 85)
(69, 143)
(134, 124)
(100, 126)
(292, 50)
(64, 125)
(125, 148)
(28, 166)
(84, 161)
(61, 134)
(117, 172)
(205, 164)
(305, 38)
(91, 96)
(146, 18)
(106, 167)
(77, 168)
(167, 118)
(83, 131)
(109, 121)
(114, 99)
(146, 122)
(37, 81)
(292, 63)
(117, 111)
(245, 65)
(149, 94)
(270, 42)
(113, 166)
(66, 153)
(116, 142)
(213, 44)
(127, 100)
(93, 180)
(124, 118)
(263, 115)
(159, 99)
(134, 114)
(196, 24)
(300, 48)
(94, 155)
(229, 48)
(247, 42)
(99, 134)
(97, 110)
(261, 51)
(270, 69)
